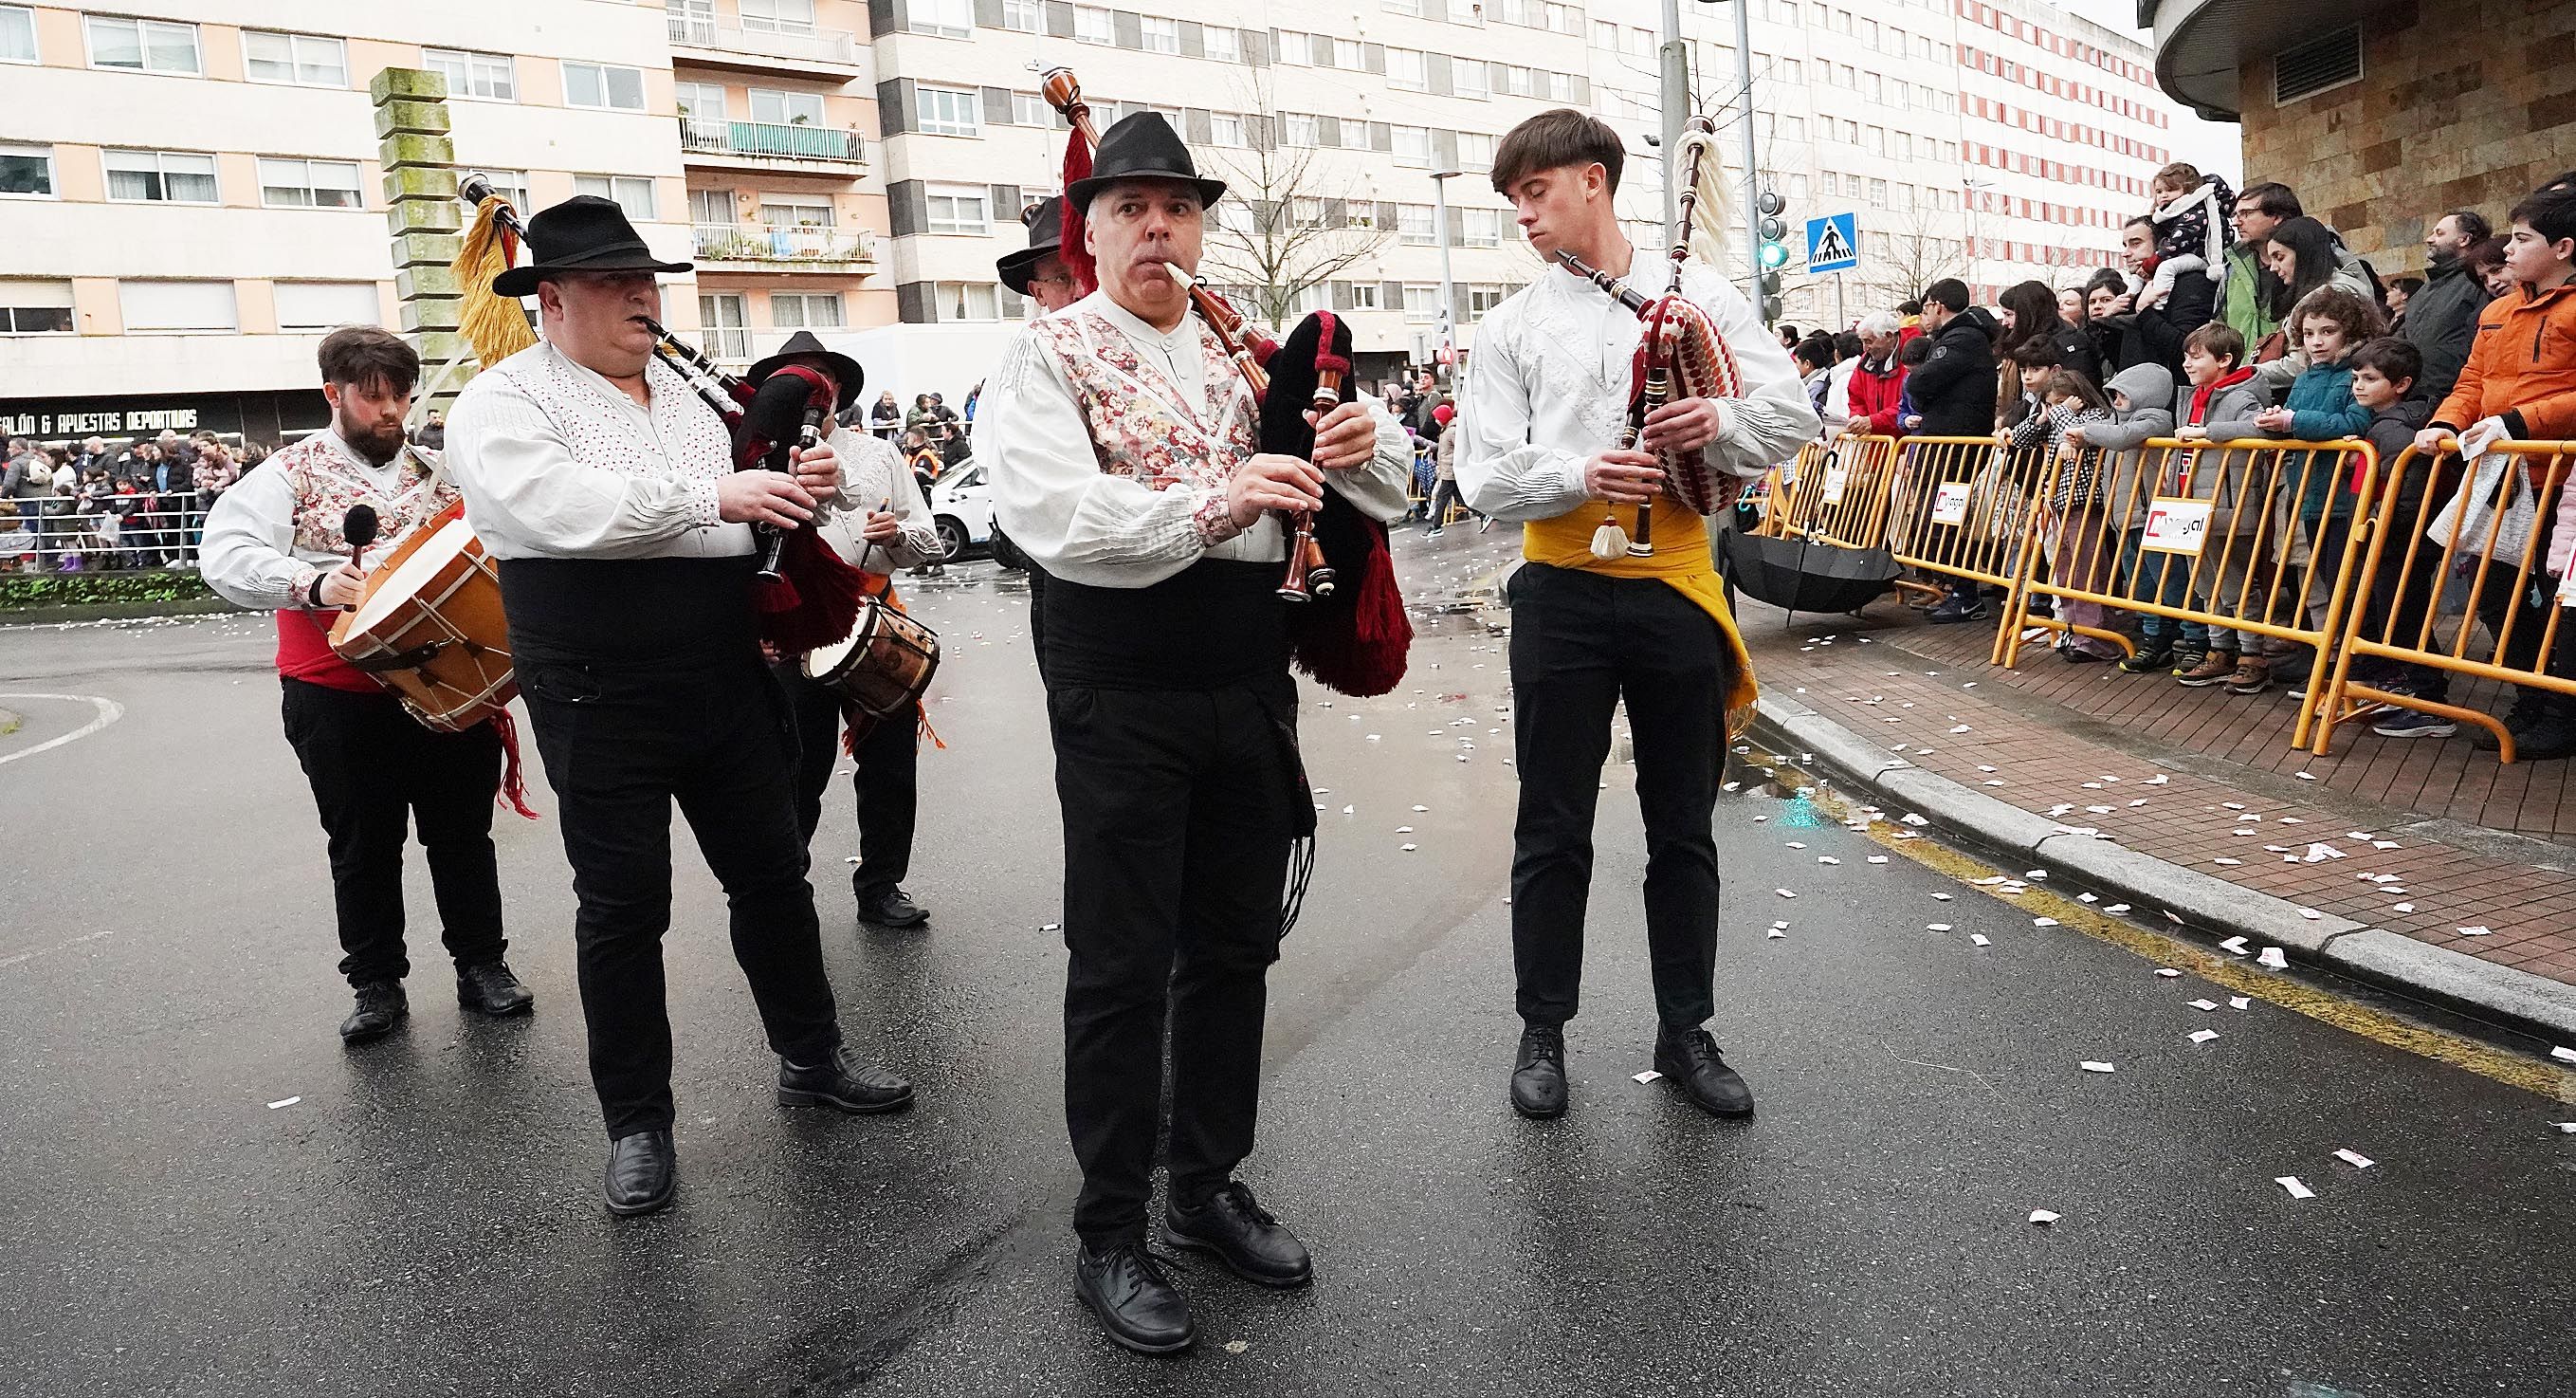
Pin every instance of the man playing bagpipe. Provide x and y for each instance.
(605, 488)
(280, 540)
(1127, 462)
(1596, 620)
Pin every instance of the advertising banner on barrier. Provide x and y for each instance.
(1835, 476)
(2177, 526)
(1950, 502)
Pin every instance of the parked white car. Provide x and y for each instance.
(961, 506)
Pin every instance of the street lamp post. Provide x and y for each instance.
(1440, 233)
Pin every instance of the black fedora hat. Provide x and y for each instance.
(1046, 238)
(1141, 147)
(802, 345)
(582, 234)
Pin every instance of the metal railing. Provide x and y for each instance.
(770, 140)
(801, 45)
(95, 534)
(738, 242)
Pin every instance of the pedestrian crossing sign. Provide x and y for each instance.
(1833, 243)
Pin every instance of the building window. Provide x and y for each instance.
(1364, 296)
(797, 16)
(704, 101)
(958, 208)
(1222, 45)
(1405, 69)
(949, 19)
(17, 34)
(174, 177)
(27, 170)
(310, 184)
(950, 111)
(1605, 35)
(1475, 151)
(778, 107)
(1469, 78)
(1090, 26)
(1302, 129)
(1306, 213)
(1293, 49)
(302, 59)
(1413, 225)
(711, 208)
(1031, 109)
(806, 310)
(35, 308)
(797, 211)
(177, 306)
(326, 305)
(1640, 43)
(1161, 35)
(603, 85)
(724, 331)
(143, 46)
(1413, 146)
(1225, 129)
(491, 76)
(1421, 302)
(633, 193)
(1348, 57)
(968, 301)
(512, 186)
(1026, 16)
(1483, 228)
(1481, 299)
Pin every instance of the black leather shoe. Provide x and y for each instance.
(1691, 1059)
(1243, 1236)
(381, 1006)
(890, 907)
(489, 988)
(1538, 1074)
(643, 1169)
(1136, 1303)
(842, 1081)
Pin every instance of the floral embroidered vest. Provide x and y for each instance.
(327, 484)
(1140, 426)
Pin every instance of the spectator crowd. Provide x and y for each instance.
(83, 507)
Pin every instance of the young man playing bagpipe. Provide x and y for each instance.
(1549, 410)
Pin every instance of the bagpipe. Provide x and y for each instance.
(807, 595)
(1347, 625)
(1679, 355)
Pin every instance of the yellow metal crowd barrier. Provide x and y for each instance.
(1834, 492)
(2469, 545)
(1964, 508)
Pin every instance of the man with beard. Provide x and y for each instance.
(2442, 319)
(274, 542)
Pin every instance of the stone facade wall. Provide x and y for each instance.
(2469, 104)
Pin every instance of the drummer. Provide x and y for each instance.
(877, 520)
(273, 542)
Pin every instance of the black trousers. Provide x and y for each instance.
(620, 746)
(886, 783)
(1178, 818)
(376, 772)
(1581, 643)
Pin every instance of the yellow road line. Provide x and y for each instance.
(2238, 974)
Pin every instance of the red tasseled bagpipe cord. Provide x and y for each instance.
(514, 781)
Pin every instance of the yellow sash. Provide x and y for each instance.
(1680, 559)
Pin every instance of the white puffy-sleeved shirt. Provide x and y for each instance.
(557, 462)
(873, 473)
(278, 528)
(1109, 529)
(1547, 390)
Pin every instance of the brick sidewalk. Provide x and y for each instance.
(2207, 780)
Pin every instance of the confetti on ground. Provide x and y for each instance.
(1878, 859)
(1959, 728)
(2273, 958)
(2042, 1217)
(2043, 922)
(2403, 908)
(2310, 914)
(1936, 927)
(2306, 776)
(1237, 1346)
(2159, 779)
(2355, 1159)
(1409, 849)
(284, 1102)
(2563, 1054)
(1784, 893)
(1775, 934)
(1647, 1076)
(2565, 1128)
(1827, 859)
(2088, 1065)
(1404, 830)
(2167, 972)
(2204, 1004)
(1346, 810)
(1420, 809)
(2202, 1036)
(2242, 1002)
(2477, 931)
(1912, 819)
(2229, 861)
(1940, 897)
(1050, 927)
(1979, 939)
(2234, 944)
(2117, 908)
(2291, 1183)
(1797, 844)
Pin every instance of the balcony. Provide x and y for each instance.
(808, 52)
(764, 145)
(751, 247)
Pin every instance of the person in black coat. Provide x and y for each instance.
(1954, 396)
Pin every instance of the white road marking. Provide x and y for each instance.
(109, 711)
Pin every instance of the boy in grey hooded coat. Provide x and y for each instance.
(2139, 395)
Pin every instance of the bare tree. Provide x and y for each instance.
(1916, 252)
(1289, 223)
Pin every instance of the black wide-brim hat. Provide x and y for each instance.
(1046, 238)
(582, 234)
(802, 345)
(1141, 147)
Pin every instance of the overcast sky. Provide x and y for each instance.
(2214, 146)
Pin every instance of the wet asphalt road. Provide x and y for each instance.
(425, 1218)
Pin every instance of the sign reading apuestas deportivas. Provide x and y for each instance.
(93, 422)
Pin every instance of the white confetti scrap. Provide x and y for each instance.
(2202, 1036)
(1959, 728)
(1827, 859)
(2402, 908)
(1420, 809)
(2043, 922)
(2042, 1217)
(2565, 1128)
(2167, 972)
(2159, 779)
(2117, 908)
(1404, 830)
(2477, 931)
(2088, 1065)
(2241, 1002)
(1050, 927)
(1878, 859)
(1346, 810)
(2273, 957)
(2291, 1183)
(1647, 1076)
(1940, 897)
(1408, 849)
(1912, 819)
(2204, 1004)
(2563, 1054)
(1784, 893)
(2310, 914)
(284, 1102)
(1797, 844)
(1774, 934)
(2234, 944)
(2305, 776)
(2355, 1159)
(1936, 927)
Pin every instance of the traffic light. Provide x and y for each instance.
(1774, 252)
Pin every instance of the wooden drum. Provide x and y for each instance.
(883, 666)
(429, 627)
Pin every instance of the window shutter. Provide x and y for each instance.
(1127, 29)
(1373, 57)
(1193, 39)
(1006, 205)
(1195, 126)
(914, 302)
(1336, 214)
(1457, 226)
(1059, 19)
(1319, 50)
(1256, 130)
(997, 106)
(1385, 216)
(907, 208)
(1341, 296)
(1582, 90)
(1014, 305)
(1436, 68)
(1444, 149)
(1436, 11)
(988, 13)
(1256, 47)
(1390, 296)
(890, 106)
(1328, 131)
(1381, 136)
(882, 17)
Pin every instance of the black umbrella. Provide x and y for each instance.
(1802, 575)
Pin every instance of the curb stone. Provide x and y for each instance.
(2521, 1000)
